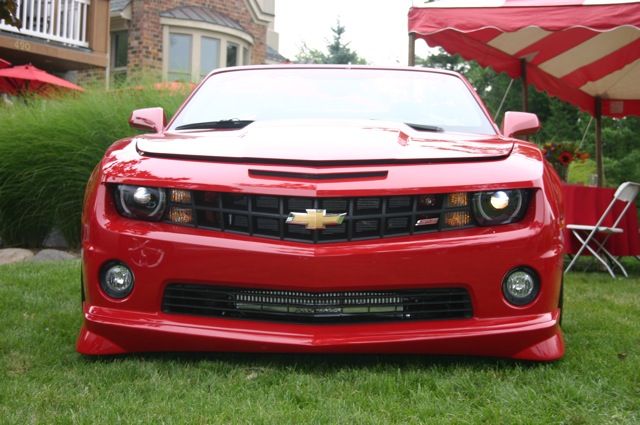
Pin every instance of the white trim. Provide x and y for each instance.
(258, 14)
(206, 26)
(124, 13)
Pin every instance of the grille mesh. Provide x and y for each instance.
(317, 307)
(366, 217)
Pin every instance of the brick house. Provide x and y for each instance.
(184, 40)
(59, 36)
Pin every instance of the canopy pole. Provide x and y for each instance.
(525, 85)
(599, 166)
(412, 49)
(504, 98)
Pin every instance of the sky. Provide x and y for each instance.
(375, 29)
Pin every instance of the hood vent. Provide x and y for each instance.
(319, 176)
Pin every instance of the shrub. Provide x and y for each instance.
(48, 149)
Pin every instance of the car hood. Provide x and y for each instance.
(325, 142)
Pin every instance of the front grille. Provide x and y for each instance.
(317, 307)
(366, 217)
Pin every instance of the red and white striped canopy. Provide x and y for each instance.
(576, 50)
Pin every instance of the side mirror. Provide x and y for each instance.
(152, 119)
(520, 124)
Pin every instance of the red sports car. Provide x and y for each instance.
(341, 209)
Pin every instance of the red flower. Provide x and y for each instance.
(565, 158)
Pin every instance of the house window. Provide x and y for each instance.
(246, 56)
(180, 57)
(189, 53)
(209, 55)
(232, 54)
(119, 49)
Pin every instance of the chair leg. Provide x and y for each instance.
(601, 248)
(593, 252)
(575, 257)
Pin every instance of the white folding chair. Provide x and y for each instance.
(626, 193)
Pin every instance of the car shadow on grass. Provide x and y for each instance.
(327, 362)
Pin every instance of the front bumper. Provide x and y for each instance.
(476, 259)
(110, 331)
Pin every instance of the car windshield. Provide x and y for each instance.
(428, 101)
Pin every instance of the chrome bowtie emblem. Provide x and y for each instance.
(316, 219)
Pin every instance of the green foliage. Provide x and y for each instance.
(338, 52)
(561, 121)
(623, 169)
(43, 380)
(48, 149)
(580, 172)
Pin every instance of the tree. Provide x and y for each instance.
(338, 52)
(562, 121)
(8, 12)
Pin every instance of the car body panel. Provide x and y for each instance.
(324, 141)
(477, 258)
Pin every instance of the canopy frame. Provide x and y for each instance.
(592, 18)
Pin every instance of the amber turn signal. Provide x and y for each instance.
(457, 218)
(181, 215)
(459, 199)
(179, 196)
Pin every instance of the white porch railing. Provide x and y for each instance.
(57, 20)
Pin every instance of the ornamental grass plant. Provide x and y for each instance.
(48, 148)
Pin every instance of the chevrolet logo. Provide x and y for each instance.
(316, 219)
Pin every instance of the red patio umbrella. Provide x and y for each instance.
(4, 64)
(585, 52)
(29, 79)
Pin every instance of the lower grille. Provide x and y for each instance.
(317, 307)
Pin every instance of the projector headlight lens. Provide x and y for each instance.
(146, 203)
(499, 207)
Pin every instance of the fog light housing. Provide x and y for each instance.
(116, 280)
(521, 286)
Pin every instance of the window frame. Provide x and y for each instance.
(113, 49)
(191, 42)
(197, 30)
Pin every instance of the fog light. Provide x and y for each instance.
(521, 286)
(116, 280)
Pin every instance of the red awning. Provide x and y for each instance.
(576, 50)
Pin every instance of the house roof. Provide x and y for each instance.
(275, 56)
(202, 14)
(118, 5)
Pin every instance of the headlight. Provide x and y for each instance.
(499, 207)
(146, 203)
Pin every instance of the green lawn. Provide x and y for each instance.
(43, 380)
